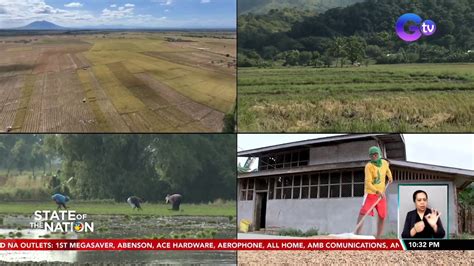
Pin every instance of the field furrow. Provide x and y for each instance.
(10, 97)
(117, 82)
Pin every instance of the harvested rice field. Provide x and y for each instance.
(117, 82)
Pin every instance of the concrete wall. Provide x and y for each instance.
(245, 210)
(333, 216)
(336, 215)
(345, 152)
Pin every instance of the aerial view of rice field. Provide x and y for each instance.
(116, 81)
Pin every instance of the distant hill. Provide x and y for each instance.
(368, 25)
(42, 25)
(263, 6)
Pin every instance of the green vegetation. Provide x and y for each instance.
(303, 82)
(363, 31)
(206, 234)
(263, 6)
(382, 98)
(390, 235)
(230, 122)
(117, 166)
(27, 208)
(466, 210)
(25, 186)
(298, 232)
(463, 236)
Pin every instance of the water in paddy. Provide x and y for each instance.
(120, 226)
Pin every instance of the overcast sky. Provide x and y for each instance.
(136, 13)
(453, 150)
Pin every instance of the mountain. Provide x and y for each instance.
(263, 6)
(42, 25)
(368, 24)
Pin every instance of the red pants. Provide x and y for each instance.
(381, 206)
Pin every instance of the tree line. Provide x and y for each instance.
(357, 33)
(113, 166)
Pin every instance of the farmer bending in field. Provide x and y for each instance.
(375, 172)
(175, 201)
(60, 200)
(134, 202)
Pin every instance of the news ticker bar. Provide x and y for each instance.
(232, 244)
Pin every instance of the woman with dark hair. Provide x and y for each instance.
(423, 222)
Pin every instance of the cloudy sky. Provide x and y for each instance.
(130, 13)
(438, 149)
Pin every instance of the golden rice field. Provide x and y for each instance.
(116, 82)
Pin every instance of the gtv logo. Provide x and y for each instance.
(416, 30)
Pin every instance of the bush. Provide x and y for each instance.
(312, 232)
(229, 123)
(219, 201)
(25, 194)
(298, 232)
(290, 232)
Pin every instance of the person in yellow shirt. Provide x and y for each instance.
(375, 173)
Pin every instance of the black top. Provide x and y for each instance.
(428, 232)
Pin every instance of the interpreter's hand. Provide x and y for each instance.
(433, 217)
(419, 226)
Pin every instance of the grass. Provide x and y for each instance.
(380, 98)
(463, 236)
(390, 235)
(298, 232)
(206, 234)
(23, 181)
(28, 208)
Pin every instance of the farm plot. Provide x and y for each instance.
(10, 97)
(87, 84)
(209, 88)
(392, 98)
(56, 105)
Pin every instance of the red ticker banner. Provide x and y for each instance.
(198, 244)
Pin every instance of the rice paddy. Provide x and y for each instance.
(379, 98)
(116, 82)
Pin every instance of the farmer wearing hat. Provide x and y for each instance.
(375, 173)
